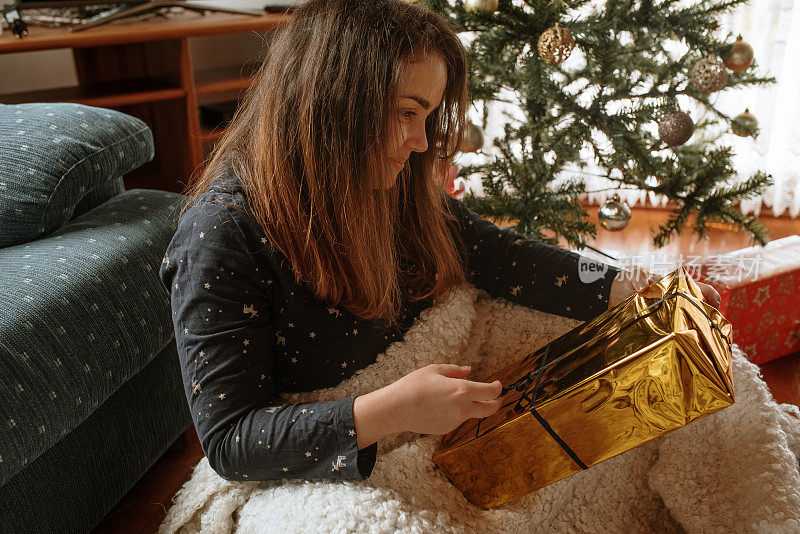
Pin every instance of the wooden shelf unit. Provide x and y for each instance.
(145, 69)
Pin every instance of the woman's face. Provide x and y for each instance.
(419, 93)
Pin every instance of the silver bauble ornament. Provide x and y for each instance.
(614, 214)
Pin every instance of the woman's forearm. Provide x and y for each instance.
(375, 416)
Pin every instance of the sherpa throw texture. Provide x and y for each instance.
(732, 471)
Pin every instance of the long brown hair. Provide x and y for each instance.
(308, 143)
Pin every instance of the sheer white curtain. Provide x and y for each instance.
(772, 27)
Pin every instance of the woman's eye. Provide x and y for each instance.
(407, 114)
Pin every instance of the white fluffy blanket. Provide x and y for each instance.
(733, 471)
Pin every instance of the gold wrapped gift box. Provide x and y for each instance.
(652, 364)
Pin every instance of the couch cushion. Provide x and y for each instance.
(72, 485)
(81, 311)
(55, 155)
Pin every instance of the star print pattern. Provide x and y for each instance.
(528, 272)
(761, 296)
(223, 307)
(246, 332)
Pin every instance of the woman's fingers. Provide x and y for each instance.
(710, 294)
(486, 408)
(640, 279)
(481, 391)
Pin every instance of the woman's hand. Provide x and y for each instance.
(627, 283)
(710, 294)
(436, 399)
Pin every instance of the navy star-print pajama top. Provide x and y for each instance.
(246, 332)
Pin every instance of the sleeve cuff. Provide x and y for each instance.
(359, 462)
(366, 460)
(608, 281)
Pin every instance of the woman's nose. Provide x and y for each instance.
(418, 141)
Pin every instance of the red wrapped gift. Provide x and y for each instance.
(759, 290)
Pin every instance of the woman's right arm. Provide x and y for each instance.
(374, 417)
(224, 333)
(434, 400)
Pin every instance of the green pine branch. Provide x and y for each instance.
(626, 65)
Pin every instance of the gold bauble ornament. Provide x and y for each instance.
(481, 5)
(744, 124)
(472, 140)
(740, 56)
(675, 128)
(555, 44)
(614, 214)
(709, 75)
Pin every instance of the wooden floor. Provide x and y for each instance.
(145, 506)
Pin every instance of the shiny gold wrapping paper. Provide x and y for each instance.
(655, 362)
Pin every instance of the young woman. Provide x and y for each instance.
(320, 230)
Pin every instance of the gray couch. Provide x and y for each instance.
(90, 388)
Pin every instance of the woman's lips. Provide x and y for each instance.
(400, 163)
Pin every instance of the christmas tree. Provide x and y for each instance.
(635, 125)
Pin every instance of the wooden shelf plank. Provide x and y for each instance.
(102, 94)
(225, 79)
(134, 31)
(221, 86)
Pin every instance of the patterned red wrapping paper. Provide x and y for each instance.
(759, 290)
